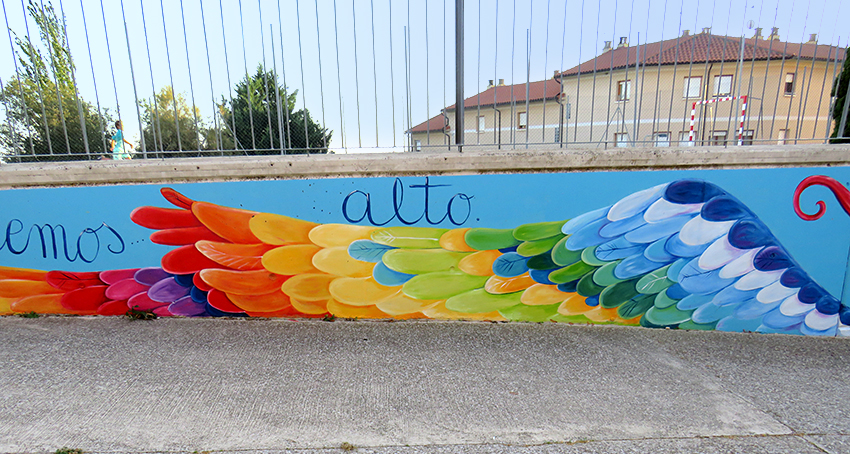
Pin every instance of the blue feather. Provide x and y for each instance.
(692, 302)
(678, 248)
(541, 276)
(731, 295)
(510, 265)
(636, 203)
(676, 291)
(708, 313)
(198, 295)
(617, 249)
(634, 266)
(691, 191)
(736, 325)
(696, 280)
(676, 268)
(653, 232)
(367, 251)
(794, 329)
(579, 222)
(388, 277)
(724, 208)
(753, 308)
(185, 280)
(569, 287)
(658, 253)
(588, 236)
(778, 320)
(620, 227)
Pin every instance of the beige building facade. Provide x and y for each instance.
(645, 95)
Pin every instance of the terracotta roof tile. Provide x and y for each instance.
(703, 48)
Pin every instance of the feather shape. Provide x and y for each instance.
(636, 203)
(662, 209)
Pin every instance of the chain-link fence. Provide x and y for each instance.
(88, 79)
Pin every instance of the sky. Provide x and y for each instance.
(370, 97)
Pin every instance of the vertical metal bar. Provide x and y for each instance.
(796, 71)
(781, 70)
(513, 134)
(722, 62)
(593, 90)
(407, 94)
(822, 86)
(171, 79)
(497, 127)
(20, 84)
(639, 92)
(229, 84)
(446, 136)
(578, 76)
(392, 66)
(478, 77)
(321, 80)
(356, 73)
(339, 78)
(248, 90)
(56, 81)
(628, 81)
(276, 91)
(707, 74)
(752, 71)
(739, 69)
(303, 92)
(527, 82)
(658, 75)
(639, 105)
(283, 70)
(561, 124)
(611, 75)
(459, 75)
(133, 80)
(209, 72)
(37, 74)
(111, 66)
(800, 108)
(265, 77)
(545, 72)
(675, 70)
(690, 72)
(759, 124)
(156, 126)
(374, 68)
(74, 83)
(833, 99)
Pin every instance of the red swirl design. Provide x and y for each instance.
(842, 194)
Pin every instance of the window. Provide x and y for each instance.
(683, 139)
(481, 124)
(621, 139)
(693, 87)
(522, 120)
(661, 139)
(789, 84)
(418, 145)
(747, 137)
(783, 134)
(722, 85)
(624, 90)
(719, 137)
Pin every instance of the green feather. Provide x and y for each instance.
(662, 301)
(587, 288)
(542, 262)
(563, 256)
(698, 326)
(635, 306)
(524, 313)
(479, 301)
(618, 294)
(588, 255)
(409, 237)
(654, 282)
(570, 273)
(421, 261)
(489, 239)
(532, 248)
(605, 276)
(667, 316)
(538, 231)
(442, 285)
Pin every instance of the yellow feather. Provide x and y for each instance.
(543, 295)
(17, 288)
(268, 302)
(501, 285)
(360, 291)
(310, 307)
(332, 235)
(291, 260)
(401, 304)
(600, 314)
(336, 261)
(308, 287)
(346, 311)
(453, 240)
(277, 229)
(573, 305)
(438, 311)
(479, 263)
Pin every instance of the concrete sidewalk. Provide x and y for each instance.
(183, 385)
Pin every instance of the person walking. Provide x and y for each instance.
(118, 149)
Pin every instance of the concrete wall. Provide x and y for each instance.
(682, 238)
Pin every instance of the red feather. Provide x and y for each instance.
(67, 280)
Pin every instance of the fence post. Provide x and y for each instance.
(459, 75)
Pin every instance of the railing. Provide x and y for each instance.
(215, 78)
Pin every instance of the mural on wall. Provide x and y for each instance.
(681, 254)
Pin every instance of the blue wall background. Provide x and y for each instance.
(498, 201)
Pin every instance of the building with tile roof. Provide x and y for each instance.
(646, 94)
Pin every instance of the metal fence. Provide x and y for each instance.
(215, 78)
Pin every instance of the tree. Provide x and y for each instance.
(161, 126)
(44, 110)
(271, 126)
(839, 90)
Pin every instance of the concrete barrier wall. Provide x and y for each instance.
(684, 238)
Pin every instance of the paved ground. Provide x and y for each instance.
(260, 386)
